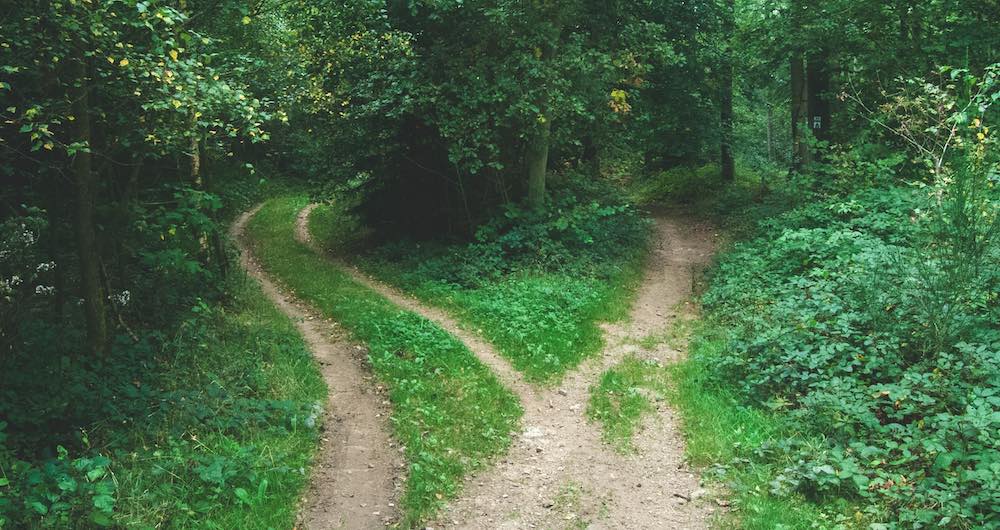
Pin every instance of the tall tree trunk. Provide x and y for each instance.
(86, 193)
(195, 160)
(218, 247)
(800, 104)
(818, 83)
(726, 161)
(537, 161)
(202, 178)
(770, 133)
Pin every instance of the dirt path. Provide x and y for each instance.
(559, 473)
(357, 475)
(483, 350)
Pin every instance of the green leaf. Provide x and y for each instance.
(242, 495)
(101, 519)
(95, 474)
(104, 503)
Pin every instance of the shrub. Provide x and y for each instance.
(872, 320)
(585, 228)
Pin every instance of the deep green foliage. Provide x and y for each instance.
(721, 433)
(131, 129)
(534, 283)
(426, 109)
(211, 427)
(449, 411)
(875, 324)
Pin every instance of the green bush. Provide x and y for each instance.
(872, 321)
(57, 492)
(585, 228)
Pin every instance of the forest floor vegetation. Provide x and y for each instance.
(216, 426)
(535, 284)
(844, 373)
(450, 413)
(561, 456)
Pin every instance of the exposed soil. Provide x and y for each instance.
(559, 473)
(357, 476)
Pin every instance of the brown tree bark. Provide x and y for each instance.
(537, 160)
(818, 104)
(800, 110)
(86, 193)
(726, 161)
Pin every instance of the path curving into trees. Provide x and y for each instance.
(559, 472)
(353, 479)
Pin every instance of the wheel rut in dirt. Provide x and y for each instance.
(559, 473)
(356, 478)
(483, 350)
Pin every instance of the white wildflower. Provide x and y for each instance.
(122, 298)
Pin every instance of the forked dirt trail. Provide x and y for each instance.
(356, 478)
(483, 350)
(559, 473)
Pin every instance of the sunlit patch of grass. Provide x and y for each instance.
(545, 323)
(449, 410)
(625, 394)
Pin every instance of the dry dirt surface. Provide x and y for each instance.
(357, 475)
(559, 473)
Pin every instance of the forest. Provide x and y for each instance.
(276, 264)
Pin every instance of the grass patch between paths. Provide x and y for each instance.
(535, 284)
(451, 413)
(624, 395)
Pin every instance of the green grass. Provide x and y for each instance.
(545, 323)
(624, 396)
(449, 411)
(254, 350)
(721, 435)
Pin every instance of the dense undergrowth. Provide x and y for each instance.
(449, 410)
(204, 412)
(849, 357)
(214, 427)
(535, 284)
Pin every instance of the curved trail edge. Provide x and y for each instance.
(559, 472)
(355, 478)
